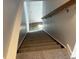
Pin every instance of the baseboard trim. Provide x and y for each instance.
(55, 39)
(69, 50)
(21, 41)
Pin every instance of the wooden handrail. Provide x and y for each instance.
(57, 10)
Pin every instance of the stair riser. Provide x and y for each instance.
(41, 47)
(38, 42)
(41, 44)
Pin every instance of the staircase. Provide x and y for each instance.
(36, 44)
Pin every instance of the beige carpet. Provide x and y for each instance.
(38, 45)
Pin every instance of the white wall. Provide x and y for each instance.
(35, 11)
(62, 26)
(50, 5)
(11, 26)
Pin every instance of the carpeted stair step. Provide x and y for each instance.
(38, 48)
(39, 44)
(36, 38)
(37, 41)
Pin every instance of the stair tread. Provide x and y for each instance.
(39, 48)
(37, 41)
(39, 44)
(32, 39)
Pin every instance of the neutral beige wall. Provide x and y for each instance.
(50, 5)
(62, 26)
(11, 27)
(10, 9)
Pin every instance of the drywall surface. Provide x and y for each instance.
(50, 5)
(35, 11)
(11, 28)
(62, 26)
(12, 49)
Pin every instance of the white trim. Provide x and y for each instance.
(34, 31)
(26, 15)
(69, 50)
(21, 42)
(74, 52)
(55, 38)
(71, 53)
